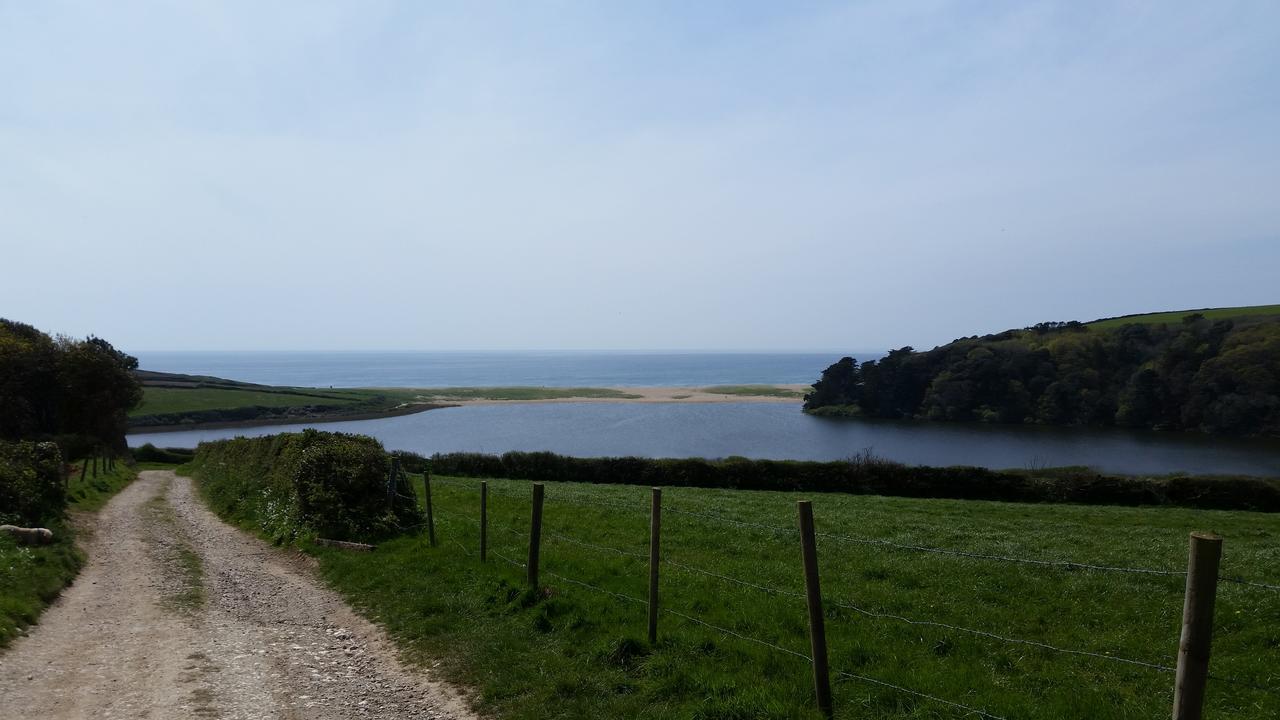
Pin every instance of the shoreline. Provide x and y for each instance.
(300, 419)
(640, 394)
(427, 400)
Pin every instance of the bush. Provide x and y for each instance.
(865, 474)
(32, 482)
(151, 453)
(298, 484)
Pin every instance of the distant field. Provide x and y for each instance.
(519, 393)
(1177, 315)
(731, 559)
(753, 391)
(164, 400)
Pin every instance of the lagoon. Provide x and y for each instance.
(778, 431)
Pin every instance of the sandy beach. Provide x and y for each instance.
(641, 395)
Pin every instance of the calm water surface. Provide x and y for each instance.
(778, 431)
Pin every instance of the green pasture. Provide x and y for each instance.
(577, 646)
(166, 400)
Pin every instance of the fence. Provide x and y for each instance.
(1190, 667)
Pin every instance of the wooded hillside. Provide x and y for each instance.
(1196, 373)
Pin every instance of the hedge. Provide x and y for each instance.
(871, 476)
(32, 483)
(293, 485)
(151, 453)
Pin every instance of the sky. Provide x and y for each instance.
(640, 175)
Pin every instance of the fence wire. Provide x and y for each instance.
(783, 530)
(848, 606)
(926, 696)
(773, 646)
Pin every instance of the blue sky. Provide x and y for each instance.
(835, 176)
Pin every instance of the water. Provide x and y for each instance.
(779, 431)
(459, 369)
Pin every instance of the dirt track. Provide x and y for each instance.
(178, 615)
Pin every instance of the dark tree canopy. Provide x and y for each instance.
(62, 386)
(1197, 374)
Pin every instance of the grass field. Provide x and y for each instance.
(753, 391)
(1175, 317)
(32, 577)
(573, 651)
(163, 400)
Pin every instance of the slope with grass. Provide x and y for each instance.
(577, 648)
(1176, 316)
(182, 401)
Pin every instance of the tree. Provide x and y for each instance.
(841, 385)
(98, 388)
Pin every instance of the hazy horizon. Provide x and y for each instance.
(719, 176)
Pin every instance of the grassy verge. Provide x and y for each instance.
(754, 391)
(570, 651)
(32, 577)
(185, 590)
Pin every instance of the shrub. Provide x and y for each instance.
(151, 453)
(32, 482)
(297, 484)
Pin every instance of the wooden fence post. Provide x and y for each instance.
(535, 535)
(1203, 561)
(391, 482)
(813, 594)
(484, 520)
(655, 542)
(431, 518)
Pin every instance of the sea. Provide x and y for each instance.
(487, 369)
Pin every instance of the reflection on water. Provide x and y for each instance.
(779, 431)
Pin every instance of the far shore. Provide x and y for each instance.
(434, 398)
(634, 394)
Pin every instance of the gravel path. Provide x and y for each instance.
(178, 615)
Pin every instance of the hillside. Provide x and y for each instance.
(1214, 371)
(171, 400)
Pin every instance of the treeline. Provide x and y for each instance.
(866, 475)
(1215, 377)
(74, 392)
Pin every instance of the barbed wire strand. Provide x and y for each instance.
(993, 636)
(730, 578)
(910, 621)
(1065, 564)
(1250, 583)
(603, 548)
(926, 696)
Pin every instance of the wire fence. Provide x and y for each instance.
(603, 551)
